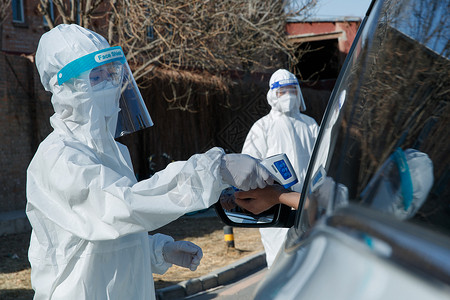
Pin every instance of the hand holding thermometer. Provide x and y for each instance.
(281, 169)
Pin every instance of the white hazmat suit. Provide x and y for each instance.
(283, 130)
(89, 215)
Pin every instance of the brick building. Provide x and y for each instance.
(324, 45)
(22, 103)
(25, 107)
(329, 41)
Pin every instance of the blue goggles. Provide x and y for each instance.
(89, 62)
(284, 82)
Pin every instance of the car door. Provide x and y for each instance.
(374, 221)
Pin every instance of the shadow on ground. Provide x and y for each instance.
(185, 227)
(18, 294)
(14, 252)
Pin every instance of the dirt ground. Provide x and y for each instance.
(205, 232)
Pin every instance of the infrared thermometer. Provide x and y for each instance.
(281, 169)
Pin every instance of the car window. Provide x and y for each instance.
(383, 142)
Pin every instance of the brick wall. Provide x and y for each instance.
(23, 37)
(24, 112)
(24, 105)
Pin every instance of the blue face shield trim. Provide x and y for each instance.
(284, 82)
(109, 67)
(405, 176)
(89, 62)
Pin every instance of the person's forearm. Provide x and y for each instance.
(290, 199)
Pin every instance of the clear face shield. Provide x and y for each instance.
(289, 89)
(110, 76)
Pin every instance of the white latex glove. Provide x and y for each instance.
(183, 254)
(244, 172)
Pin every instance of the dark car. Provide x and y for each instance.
(374, 221)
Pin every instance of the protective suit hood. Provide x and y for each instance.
(77, 113)
(288, 104)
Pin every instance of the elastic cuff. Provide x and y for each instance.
(157, 242)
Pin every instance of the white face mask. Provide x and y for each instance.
(288, 102)
(107, 99)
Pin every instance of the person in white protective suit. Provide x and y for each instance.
(284, 130)
(90, 216)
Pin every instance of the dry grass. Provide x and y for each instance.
(208, 234)
(205, 232)
(14, 267)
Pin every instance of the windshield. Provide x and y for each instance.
(389, 109)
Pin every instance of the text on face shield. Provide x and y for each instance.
(108, 55)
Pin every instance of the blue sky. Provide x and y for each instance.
(341, 8)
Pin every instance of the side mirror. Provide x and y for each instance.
(279, 215)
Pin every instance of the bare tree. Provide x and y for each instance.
(213, 36)
(70, 11)
(190, 41)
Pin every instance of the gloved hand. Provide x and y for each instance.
(244, 172)
(183, 254)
